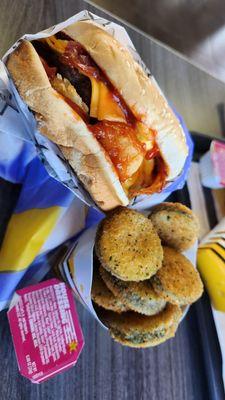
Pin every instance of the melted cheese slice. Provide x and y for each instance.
(103, 106)
(57, 45)
(94, 98)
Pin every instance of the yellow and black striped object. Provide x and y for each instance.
(211, 265)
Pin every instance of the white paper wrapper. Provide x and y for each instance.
(77, 267)
(49, 153)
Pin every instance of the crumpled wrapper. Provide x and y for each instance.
(49, 153)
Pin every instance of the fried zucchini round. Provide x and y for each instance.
(138, 296)
(176, 224)
(136, 330)
(177, 281)
(128, 246)
(102, 296)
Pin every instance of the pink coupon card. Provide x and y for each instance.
(218, 159)
(45, 329)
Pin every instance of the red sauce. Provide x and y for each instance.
(116, 138)
(50, 71)
(76, 56)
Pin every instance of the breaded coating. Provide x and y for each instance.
(138, 296)
(136, 330)
(177, 281)
(176, 224)
(128, 246)
(102, 296)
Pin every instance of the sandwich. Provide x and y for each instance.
(109, 119)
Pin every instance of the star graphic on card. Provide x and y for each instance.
(72, 346)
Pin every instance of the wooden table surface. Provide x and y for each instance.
(175, 370)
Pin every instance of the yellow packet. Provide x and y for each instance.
(211, 265)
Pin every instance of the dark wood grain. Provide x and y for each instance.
(106, 370)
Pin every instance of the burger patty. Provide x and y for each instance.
(81, 82)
